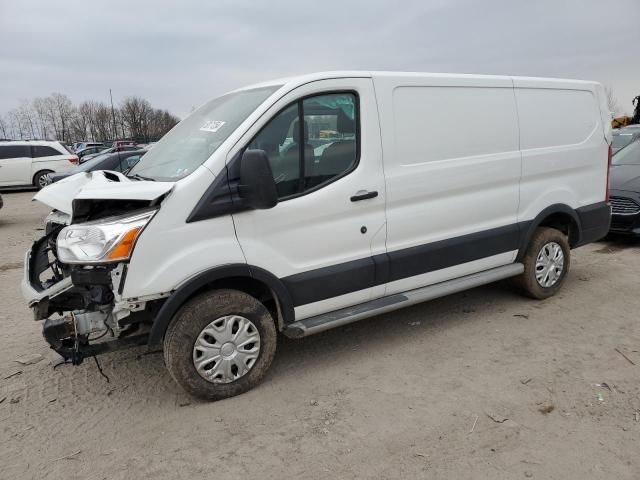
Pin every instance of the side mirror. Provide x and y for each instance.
(257, 186)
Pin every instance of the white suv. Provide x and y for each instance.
(29, 162)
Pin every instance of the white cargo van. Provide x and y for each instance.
(303, 204)
(28, 162)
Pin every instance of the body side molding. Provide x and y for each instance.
(344, 316)
(591, 223)
(328, 282)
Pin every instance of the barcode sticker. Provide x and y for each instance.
(212, 125)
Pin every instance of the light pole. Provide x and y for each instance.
(113, 115)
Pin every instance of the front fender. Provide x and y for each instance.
(185, 291)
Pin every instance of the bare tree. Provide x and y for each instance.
(56, 117)
(4, 128)
(64, 111)
(82, 121)
(26, 117)
(15, 125)
(159, 123)
(612, 101)
(101, 126)
(52, 117)
(39, 108)
(135, 113)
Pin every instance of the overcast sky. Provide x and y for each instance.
(179, 54)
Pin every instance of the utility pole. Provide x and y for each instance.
(113, 115)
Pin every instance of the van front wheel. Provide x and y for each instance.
(546, 263)
(220, 344)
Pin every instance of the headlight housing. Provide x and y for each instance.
(103, 241)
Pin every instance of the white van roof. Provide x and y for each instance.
(538, 82)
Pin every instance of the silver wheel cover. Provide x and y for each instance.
(549, 264)
(226, 349)
(43, 181)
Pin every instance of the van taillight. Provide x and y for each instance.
(74, 160)
(606, 195)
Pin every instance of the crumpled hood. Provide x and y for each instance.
(99, 185)
(625, 177)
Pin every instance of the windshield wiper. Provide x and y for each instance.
(140, 177)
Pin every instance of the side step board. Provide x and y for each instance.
(344, 316)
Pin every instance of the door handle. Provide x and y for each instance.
(363, 195)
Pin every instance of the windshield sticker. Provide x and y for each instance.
(212, 126)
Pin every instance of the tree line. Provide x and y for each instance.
(56, 118)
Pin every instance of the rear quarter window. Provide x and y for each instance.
(44, 151)
(555, 117)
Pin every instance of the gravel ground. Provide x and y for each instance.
(483, 384)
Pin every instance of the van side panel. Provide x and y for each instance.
(564, 151)
(452, 167)
(459, 122)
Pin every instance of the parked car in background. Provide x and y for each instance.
(624, 136)
(29, 162)
(123, 148)
(86, 152)
(117, 162)
(123, 143)
(82, 145)
(624, 185)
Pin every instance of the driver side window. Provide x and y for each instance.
(311, 142)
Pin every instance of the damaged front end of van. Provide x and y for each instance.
(74, 274)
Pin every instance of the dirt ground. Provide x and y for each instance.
(483, 385)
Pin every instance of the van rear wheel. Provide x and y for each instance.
(546, 263)
(220, 344)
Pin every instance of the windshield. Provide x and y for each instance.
(194, 139)
(629, 155)
(621, 140)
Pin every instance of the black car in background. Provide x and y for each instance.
(118, 162)
(84, 152)
(624, 136)
(624, 190)
(119, 148)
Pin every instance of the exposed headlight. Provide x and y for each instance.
(103, 241)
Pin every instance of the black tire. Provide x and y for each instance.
(527, 282)
(191, 320)
(38, 179)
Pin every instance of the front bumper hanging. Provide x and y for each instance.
(77, 305)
